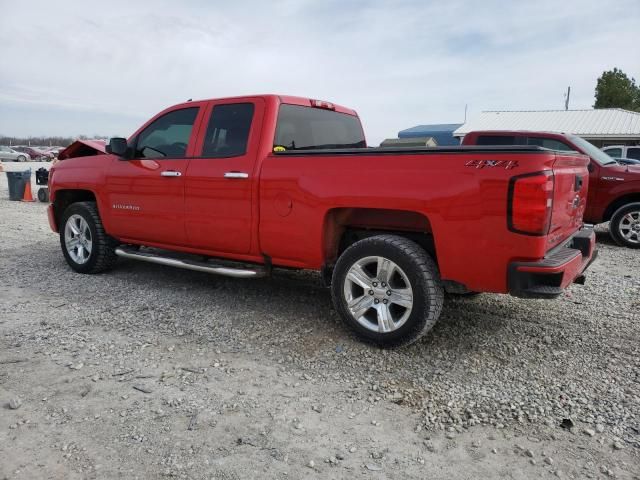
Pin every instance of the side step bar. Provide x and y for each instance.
(191, 264)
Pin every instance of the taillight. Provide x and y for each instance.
(322, 104)
(530, 203)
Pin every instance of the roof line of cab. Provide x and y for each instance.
(288, 99)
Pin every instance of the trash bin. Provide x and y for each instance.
(17, 182)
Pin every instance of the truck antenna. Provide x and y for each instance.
(566, 96)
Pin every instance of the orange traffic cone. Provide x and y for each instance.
(28, 197)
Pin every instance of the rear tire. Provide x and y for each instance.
(388, 290)
(624, 226)
(86, 246)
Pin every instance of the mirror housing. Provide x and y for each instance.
(117, 146)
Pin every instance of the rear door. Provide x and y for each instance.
(220, 178)
(146, 193)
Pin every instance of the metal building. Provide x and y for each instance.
(602, 127)
(441, 133)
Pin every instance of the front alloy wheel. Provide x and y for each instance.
(625, 225)
(78, 240)
(86, 246)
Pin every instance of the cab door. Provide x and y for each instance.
(146, 192)
(220, 179)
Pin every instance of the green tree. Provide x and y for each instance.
(616, 90)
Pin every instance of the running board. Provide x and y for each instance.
(191, 264)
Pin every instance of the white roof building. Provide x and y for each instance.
(606, 126)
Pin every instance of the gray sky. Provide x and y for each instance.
(86, 67)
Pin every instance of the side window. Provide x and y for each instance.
(228, 130)
(168, 136)
(549, 143)
(613, 152)
(496, 140)
(633, 152)
(4, 149)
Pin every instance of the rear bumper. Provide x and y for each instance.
(561, 267)
(52, 218)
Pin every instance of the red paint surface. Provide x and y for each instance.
(608, 185)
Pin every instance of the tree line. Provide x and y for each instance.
(46, 141)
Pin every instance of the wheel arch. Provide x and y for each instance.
(66, 197)
(346, 225)
(619, 202)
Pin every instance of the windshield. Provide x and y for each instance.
(593, 151)
(314, 128)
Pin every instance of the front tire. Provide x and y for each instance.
(21, 158)
(85, 245)
(388, 290)
(624, 226)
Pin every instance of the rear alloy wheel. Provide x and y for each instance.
(387, 289)
(625, 225)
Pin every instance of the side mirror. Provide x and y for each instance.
(590, 166)
(117, 146)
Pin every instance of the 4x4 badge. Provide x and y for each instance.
(506, 164)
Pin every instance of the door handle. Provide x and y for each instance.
(236, 175)
(170, 173)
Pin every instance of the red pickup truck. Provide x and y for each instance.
(614, 189)
(239, 186)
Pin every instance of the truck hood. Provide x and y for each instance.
(83, 148)
(628, 172)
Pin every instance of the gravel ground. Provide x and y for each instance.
(152, 372)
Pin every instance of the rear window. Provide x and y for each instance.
(498, 140)
(549, 143)
(315, 128)
(613, 152)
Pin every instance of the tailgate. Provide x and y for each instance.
(571, 178)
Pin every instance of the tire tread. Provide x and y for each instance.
(105, 245)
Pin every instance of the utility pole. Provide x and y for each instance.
(465, 113)
(566, 101)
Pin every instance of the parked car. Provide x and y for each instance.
(54, 151)
(627, 161)
(34, 152)
(623, 151)
(277, 181)
(9, 154)
(614, 189)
